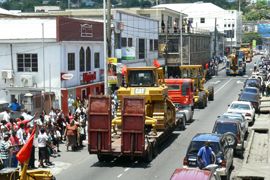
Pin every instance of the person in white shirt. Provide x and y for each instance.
(5, 115)
(20, 133)
(42, 150)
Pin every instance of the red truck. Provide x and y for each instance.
(181, 93)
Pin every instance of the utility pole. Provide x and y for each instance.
(166, 52)
(109, 36)
(215, 39)
(181, 39)
(105, 50)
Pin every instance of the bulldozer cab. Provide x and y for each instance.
(144, 77)
(194, 72)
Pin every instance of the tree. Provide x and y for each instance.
(248, 37)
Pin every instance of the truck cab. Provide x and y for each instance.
(181, 92)
(236, 64)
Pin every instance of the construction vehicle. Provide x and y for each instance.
(145, 117)
(197, 74)
(236, 64)
(246, 48)
(181, 93)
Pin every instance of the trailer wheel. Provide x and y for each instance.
(211, 93)
(149, 154)
(104, 158)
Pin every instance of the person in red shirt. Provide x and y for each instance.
(15, 143)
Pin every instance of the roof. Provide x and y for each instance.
(195, 8)
(207, 137)
(5, 12)
(27, 28)
(190, 174)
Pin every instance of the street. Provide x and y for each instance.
(80, 165)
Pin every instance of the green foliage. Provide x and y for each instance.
(259, 11)
(248, 37)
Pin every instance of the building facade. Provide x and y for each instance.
(46, 61)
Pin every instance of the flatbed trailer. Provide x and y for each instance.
(132, 139)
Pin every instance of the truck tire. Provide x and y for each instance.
(211, 93)
(149, 154)
(201, 103)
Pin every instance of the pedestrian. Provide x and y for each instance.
(263, 88)
(15, 143)
(205, 155)
(4, 150)
(15, 106)
(71, 135)
(42, 147)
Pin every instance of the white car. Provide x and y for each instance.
(244, 108)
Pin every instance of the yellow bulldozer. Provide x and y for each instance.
(246, 48)
(197, 74)
(148, 82)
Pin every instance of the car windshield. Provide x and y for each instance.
(252, 83)
(181, 106)
(141, 78)
(251, 90)
(239, 118)
(195, 146)
(248, 97)
(222, 128)
(240, 106)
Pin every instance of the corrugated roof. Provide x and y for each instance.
(194, 8)
(27, 28)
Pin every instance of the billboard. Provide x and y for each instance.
(264, 30)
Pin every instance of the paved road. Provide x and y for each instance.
(82, 166)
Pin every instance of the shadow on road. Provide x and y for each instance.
(137, 162)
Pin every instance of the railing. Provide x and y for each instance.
(176, 31)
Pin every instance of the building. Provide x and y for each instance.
(46, 61)
(134, 37)
(211, 17)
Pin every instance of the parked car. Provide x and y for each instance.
(251, 97)
(221, 148)
(252, 90)
(230, 126)
(194, 174)
(253, 82)
(244, 108)
(236, 117)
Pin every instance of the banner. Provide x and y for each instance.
(128, 53)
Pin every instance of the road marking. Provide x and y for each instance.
(126, 169)
(216, 82)
(239, 82)
(222, 86)
(119, 175)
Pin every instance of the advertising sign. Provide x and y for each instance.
(128, 53)
(254, 44)
(112, 60)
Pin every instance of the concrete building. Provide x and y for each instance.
(209, 16)
(46, 61)
(134, 37)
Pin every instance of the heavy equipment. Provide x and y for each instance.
(236, 64)
(197, 74)
(246, 48)
(145, 117)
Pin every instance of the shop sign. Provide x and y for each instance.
(128, 53)
(88, 77)
(66, 76)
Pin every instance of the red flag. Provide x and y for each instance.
(124, 70)
(156, 63)
(25, 152)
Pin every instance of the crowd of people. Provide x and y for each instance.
(51, 129)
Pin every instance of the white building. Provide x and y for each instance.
(39, 56)
(208, 16)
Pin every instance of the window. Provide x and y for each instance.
(82, 63)
(202, 20)
(129, 42)
(225, 25)
(155, 44)
(229, 25)
(232, 25)
(88, 59)
(124, 42)
(96, 59)
(151, 45)
(71, 61)
(141, 48)
(27, 62)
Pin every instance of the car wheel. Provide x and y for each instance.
(231, 138)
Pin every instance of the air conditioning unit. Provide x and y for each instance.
(7, 74)
(26, 80)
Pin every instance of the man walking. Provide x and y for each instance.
(205, 155)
